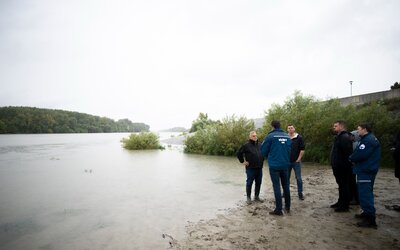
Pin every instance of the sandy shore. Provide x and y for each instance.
(312, 224)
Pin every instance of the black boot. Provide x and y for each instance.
(248, 194)
(360, 216)
(368, 221)
(257, 194)
(335, 205)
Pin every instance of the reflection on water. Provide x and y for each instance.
(84, 191)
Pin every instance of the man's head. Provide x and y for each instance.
(276, 124)
(253, 136)
(363, 129)
(291, 129)
(339, 126)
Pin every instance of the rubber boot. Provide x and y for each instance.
(360, 216)
(368, 221)
(248, 194)
(257, 194)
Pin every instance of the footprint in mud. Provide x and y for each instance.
(172, 242)
(262, 239)
(393, 207)
(206, 237)
(254, 212)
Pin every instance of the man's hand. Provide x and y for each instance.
(246, 163)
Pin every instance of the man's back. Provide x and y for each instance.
(277, 147)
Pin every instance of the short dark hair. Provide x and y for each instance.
(365, 125)
(341, 122)
(276, 124)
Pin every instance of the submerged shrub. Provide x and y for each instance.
(142, 141)
(223, 138)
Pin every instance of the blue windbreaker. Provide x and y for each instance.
(277, 147)
(367, 155)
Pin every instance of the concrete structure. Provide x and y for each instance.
(366, 98)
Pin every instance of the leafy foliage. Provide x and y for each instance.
(223, 138)
(314, 120)
(14, 120)
(201, 122)
(141, 141)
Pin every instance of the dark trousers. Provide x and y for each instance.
(397, 169)
(366, 192)
(253, 175)
(353, 188)
(342, 176)
(278, 178)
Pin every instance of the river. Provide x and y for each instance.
(84, 191)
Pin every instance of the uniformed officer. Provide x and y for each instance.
(366, 158)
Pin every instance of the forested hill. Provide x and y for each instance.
(24, 120)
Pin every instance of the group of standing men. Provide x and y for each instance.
(360, 162)
(284, 152)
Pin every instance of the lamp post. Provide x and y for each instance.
(351, 88)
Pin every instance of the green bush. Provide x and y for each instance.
(223, 138)
(314, 120)
(201, 122)
(141, 141)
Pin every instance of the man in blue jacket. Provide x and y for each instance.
(277, 147)
(366, 158)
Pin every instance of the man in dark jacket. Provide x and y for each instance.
(253, 161)
(366, 159)
(276, 147)
(341, 150)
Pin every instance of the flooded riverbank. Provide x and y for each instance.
(84, 191)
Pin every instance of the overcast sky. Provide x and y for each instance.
(162, 62)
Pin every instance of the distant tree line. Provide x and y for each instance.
(175, 129)
(24, 120)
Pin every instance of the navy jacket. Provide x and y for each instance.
(277, 147)
(252, 154)
(367, 155)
